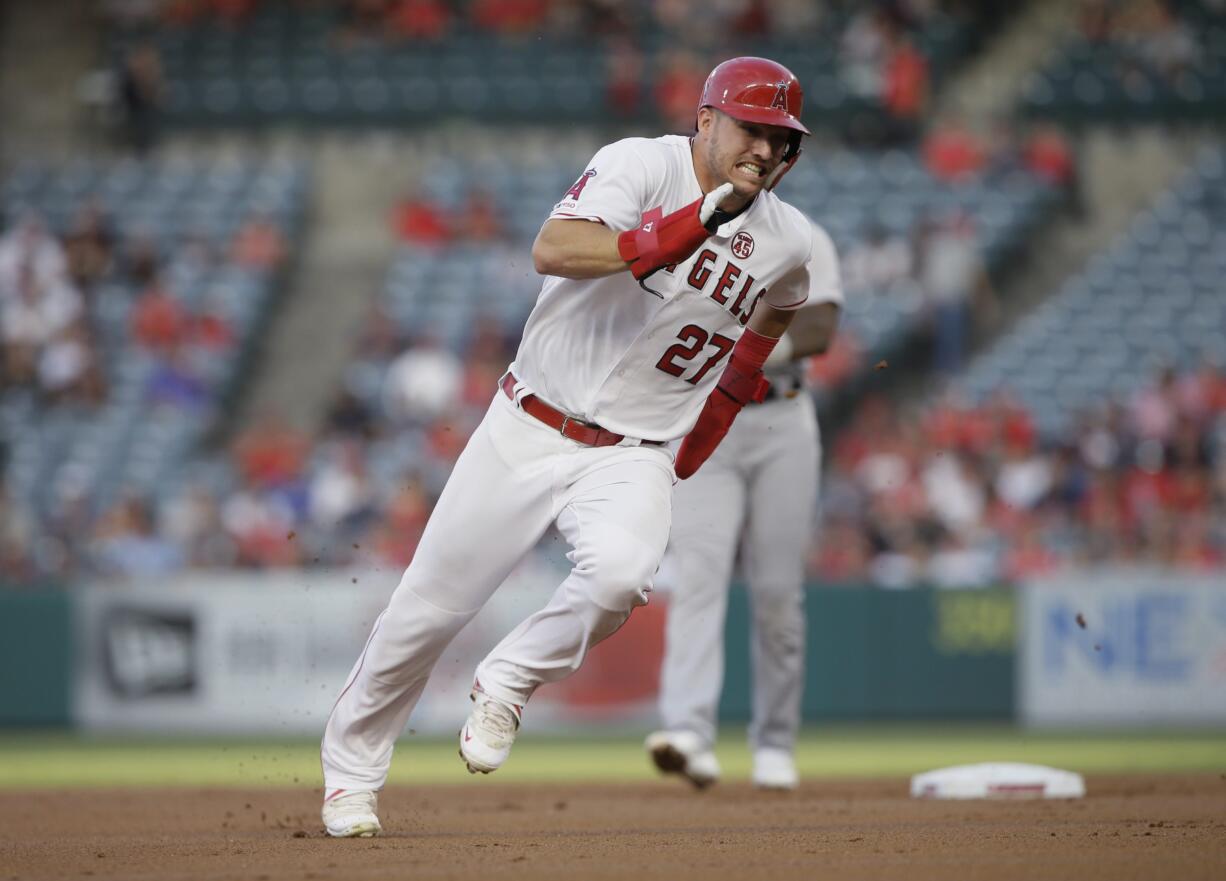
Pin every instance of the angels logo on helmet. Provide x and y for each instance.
(781, 97)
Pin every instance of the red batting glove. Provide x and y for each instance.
(741, 382)
(662, 241)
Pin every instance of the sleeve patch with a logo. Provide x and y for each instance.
(571, 199)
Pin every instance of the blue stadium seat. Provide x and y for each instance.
(1150, 300)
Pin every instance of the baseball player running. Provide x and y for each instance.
(755, 495)
(671, 272)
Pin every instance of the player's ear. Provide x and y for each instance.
(705, 121)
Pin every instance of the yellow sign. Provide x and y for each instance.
(974, 623)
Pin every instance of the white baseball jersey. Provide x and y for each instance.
(639, 364)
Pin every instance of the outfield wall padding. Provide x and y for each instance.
(875, 654)
(36, 656)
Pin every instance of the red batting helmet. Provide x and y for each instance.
(756, 90)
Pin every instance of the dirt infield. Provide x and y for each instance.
(1127, 827)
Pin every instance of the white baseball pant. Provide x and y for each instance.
(514, 479)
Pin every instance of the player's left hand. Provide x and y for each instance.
(740, 384)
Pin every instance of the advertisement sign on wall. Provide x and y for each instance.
(267, 653)
(1130, 647)
(213, 653)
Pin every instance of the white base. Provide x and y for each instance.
(998, 780)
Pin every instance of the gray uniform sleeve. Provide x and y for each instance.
(824, 285)
(825, 281)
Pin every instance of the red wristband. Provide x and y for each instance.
(752, 349)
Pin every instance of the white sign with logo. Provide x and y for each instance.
(268, 652)
(252, 652)
(1129, 647)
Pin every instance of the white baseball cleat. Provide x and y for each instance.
(350, 813)
(683, 753)
(774, 769)
(489, 733)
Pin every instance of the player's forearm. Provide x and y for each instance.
(813, 329)
(811, 333)
(576, 249)
(769, 321)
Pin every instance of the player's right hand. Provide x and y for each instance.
(661, 241)
(710, 204)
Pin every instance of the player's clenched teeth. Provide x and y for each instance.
(752, 168)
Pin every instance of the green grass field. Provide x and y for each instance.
(64, 760)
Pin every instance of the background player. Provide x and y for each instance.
(612, 365)
(755, 494)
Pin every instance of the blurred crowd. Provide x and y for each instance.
(942, 255)
(72, 307)
(54, 293)
(1151, 36)
(691, 22)
(419, 220)
(358, 491)
(48, 345)
(952, 495)
(955, 495)
(654, 54)
(943, 260)
(967, 496)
